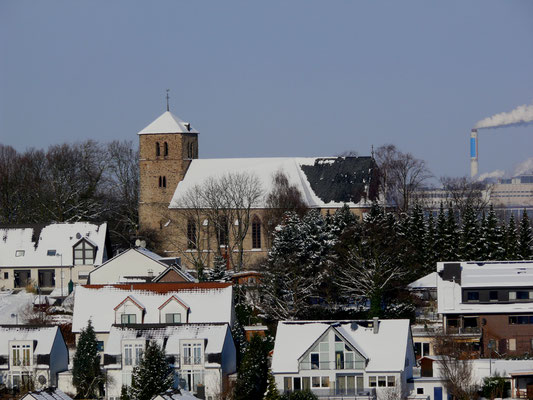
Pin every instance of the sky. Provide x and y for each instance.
(276, 78)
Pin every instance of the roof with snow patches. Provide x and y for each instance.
(46, 394)
(168, 123)
(322, 181)
(384, 351)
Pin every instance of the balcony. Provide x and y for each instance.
(333, 365)
(468, 331)
(343, 394)
(190, 360)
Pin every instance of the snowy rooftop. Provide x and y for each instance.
(497, 274)
(426, 282)
(385, 350)
(323, 181)
(44, 336)
(30, 245)
(168, 123)
(47, 394)
(208, 302)
(169, 336)
(170, 395)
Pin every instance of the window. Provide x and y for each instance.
(133, 354)
(222, 231)
(128, 319)
(391, 381)
(419, 390)
(83, 275)
(128, 353)
(520, 319)
(164, 181)
(83, 254)
(512, 344)
(172, 318)
(315, 361)
(160, 181)
(256, 233)
(192, 353)
(382, 381)
(19, 253)
(523, 295)
(472, 296)
(191, 235)
(21, 355)
(100, 345)
(493, 295)
(190, 380)
(187, 354)
(287, 383)
(157, 149)
(51, 253)
(6, 275)
(372, 381)
(315, 381)
(165, 150)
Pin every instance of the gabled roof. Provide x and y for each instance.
(428, 281)
(36, 240)
(46, 394)
(168, 123)
(173, 297)
(385, 350)
(133, 300)
(43, 335)
(207, 302)
(322, 181)
(172, 268)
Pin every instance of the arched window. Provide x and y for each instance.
(164, 181)
(256, 233)
(157, 149)
(191, 234)
(160, 181)
(222, 231)
(165, 150)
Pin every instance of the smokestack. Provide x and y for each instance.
(473, 153)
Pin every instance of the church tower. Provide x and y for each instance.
(166, 148)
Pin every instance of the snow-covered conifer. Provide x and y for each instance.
(153, 375)
(525, 241)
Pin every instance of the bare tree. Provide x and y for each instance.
(463, 191)
(401, 175)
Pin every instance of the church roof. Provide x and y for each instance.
(322, 181)
(168, 123)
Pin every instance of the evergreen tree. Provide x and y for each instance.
(416, 232)
(524, 243)
(86, 373)
(153, 375)
(440, 240)
(300, 395)
(430, 240)
(219, 272)
(124, 393)
(451, 238)
(253, 371)
(493, 238)
(272, 392)
(511, 240)
(483, 247)
(469, 244)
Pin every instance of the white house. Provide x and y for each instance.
(31, 353)
(355, 359)
(201, 355)
(50, 256)
(136, 265)
(151, 303)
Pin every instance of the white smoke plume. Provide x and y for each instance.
(525, 167)
(519, 116)
(491, 175)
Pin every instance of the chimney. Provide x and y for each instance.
(473, 153)
(376, 325)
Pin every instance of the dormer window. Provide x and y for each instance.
(51, 253)
(83, 253)
(19, 253)
(128, 319)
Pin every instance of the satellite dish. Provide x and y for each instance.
(42, 379)
(138, 243)
(78, 236)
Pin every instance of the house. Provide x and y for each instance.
(201, 355)
(353, 359)
(170, 169)
(138, 265)
(175, 395)
(51, 256)
(31, 353)
(492, 301)
(46, 394)
(150, 303)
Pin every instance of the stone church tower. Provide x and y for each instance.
(166, 148)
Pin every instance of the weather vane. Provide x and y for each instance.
(168, 108)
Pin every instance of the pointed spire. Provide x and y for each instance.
(168, 107)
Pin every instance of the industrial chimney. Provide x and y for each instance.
(473, 153)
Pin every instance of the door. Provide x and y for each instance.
(47, 278)
(22, 277)
(346, 385)
(437, 393)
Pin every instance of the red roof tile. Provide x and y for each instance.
(165, 287)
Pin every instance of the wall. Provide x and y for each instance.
(58, 357)
(497, 327)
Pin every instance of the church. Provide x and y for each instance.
(172, 175)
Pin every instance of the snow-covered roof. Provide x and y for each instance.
(172, 395)
(46, 394)
(29, 245)
(322, 181)
(486, 275)
(168, 123)
(44, 336)
(428, 281)
(169, 336)
(385, 350)
(208, 302)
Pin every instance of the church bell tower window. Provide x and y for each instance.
(157, 149)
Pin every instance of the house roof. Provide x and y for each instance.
(46, 394)
(169, 336)
(208, 302)
(322, 181)
(43, 335)
(385, 350)
(428, 281)
(175, 395)
(36, 240)
(179, 271)
(168, 123)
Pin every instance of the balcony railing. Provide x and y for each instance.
(330, 365)
(473, 331)
(190, 360)
(343, 393)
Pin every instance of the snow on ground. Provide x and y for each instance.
(14, 304)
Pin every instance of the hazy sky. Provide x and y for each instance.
(272, 78)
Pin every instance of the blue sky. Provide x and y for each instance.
(276, 78)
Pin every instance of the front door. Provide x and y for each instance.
(22, 277)
(345, 385)
(437, 393)
(47, 278)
